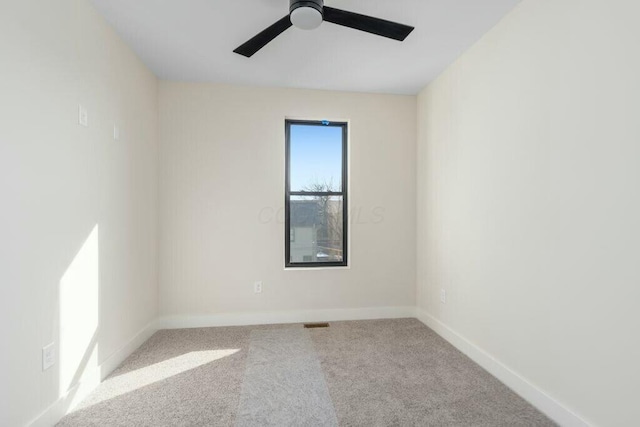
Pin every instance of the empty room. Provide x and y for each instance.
(320, 213)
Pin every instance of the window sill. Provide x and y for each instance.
(340, 267)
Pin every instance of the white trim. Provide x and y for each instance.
(92, 379)
(272, 317)
(528, 391)
(125, 351)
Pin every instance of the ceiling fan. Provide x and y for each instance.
(309, 14)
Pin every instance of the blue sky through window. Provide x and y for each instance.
(316, 156)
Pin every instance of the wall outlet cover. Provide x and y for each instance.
(48, 356)
(83, 116)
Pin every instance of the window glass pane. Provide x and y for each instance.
(317, 225)
(316, 158)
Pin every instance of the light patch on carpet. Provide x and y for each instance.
(284, 384)
(130, 381)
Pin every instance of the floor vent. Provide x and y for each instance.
(316, 325)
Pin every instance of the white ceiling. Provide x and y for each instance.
(193, 40)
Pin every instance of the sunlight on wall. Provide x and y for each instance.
(130, 381)
(79, 293)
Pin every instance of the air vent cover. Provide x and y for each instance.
(316, 325)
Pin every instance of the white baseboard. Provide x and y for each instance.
(272, 317)
(125, 351)
(537, 397)
(92, 379)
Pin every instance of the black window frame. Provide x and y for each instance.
(343, 193)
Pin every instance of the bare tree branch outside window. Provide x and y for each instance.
(329, 214)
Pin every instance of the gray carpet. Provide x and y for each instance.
(364, 373)
(284, 384)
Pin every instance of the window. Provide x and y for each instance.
(316, 194)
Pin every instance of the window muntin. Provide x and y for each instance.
(315, 194)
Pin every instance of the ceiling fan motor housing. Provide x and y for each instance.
(306, 14)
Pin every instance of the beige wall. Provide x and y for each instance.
(78, 211)
(222, 195)
(528, 201)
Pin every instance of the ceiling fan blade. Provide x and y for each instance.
(264, 37)
(369, 24)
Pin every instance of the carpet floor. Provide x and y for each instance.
(363, 373)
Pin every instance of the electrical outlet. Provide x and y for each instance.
(48, 356)
(443, 296)
(257, 287)
(83, 116)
